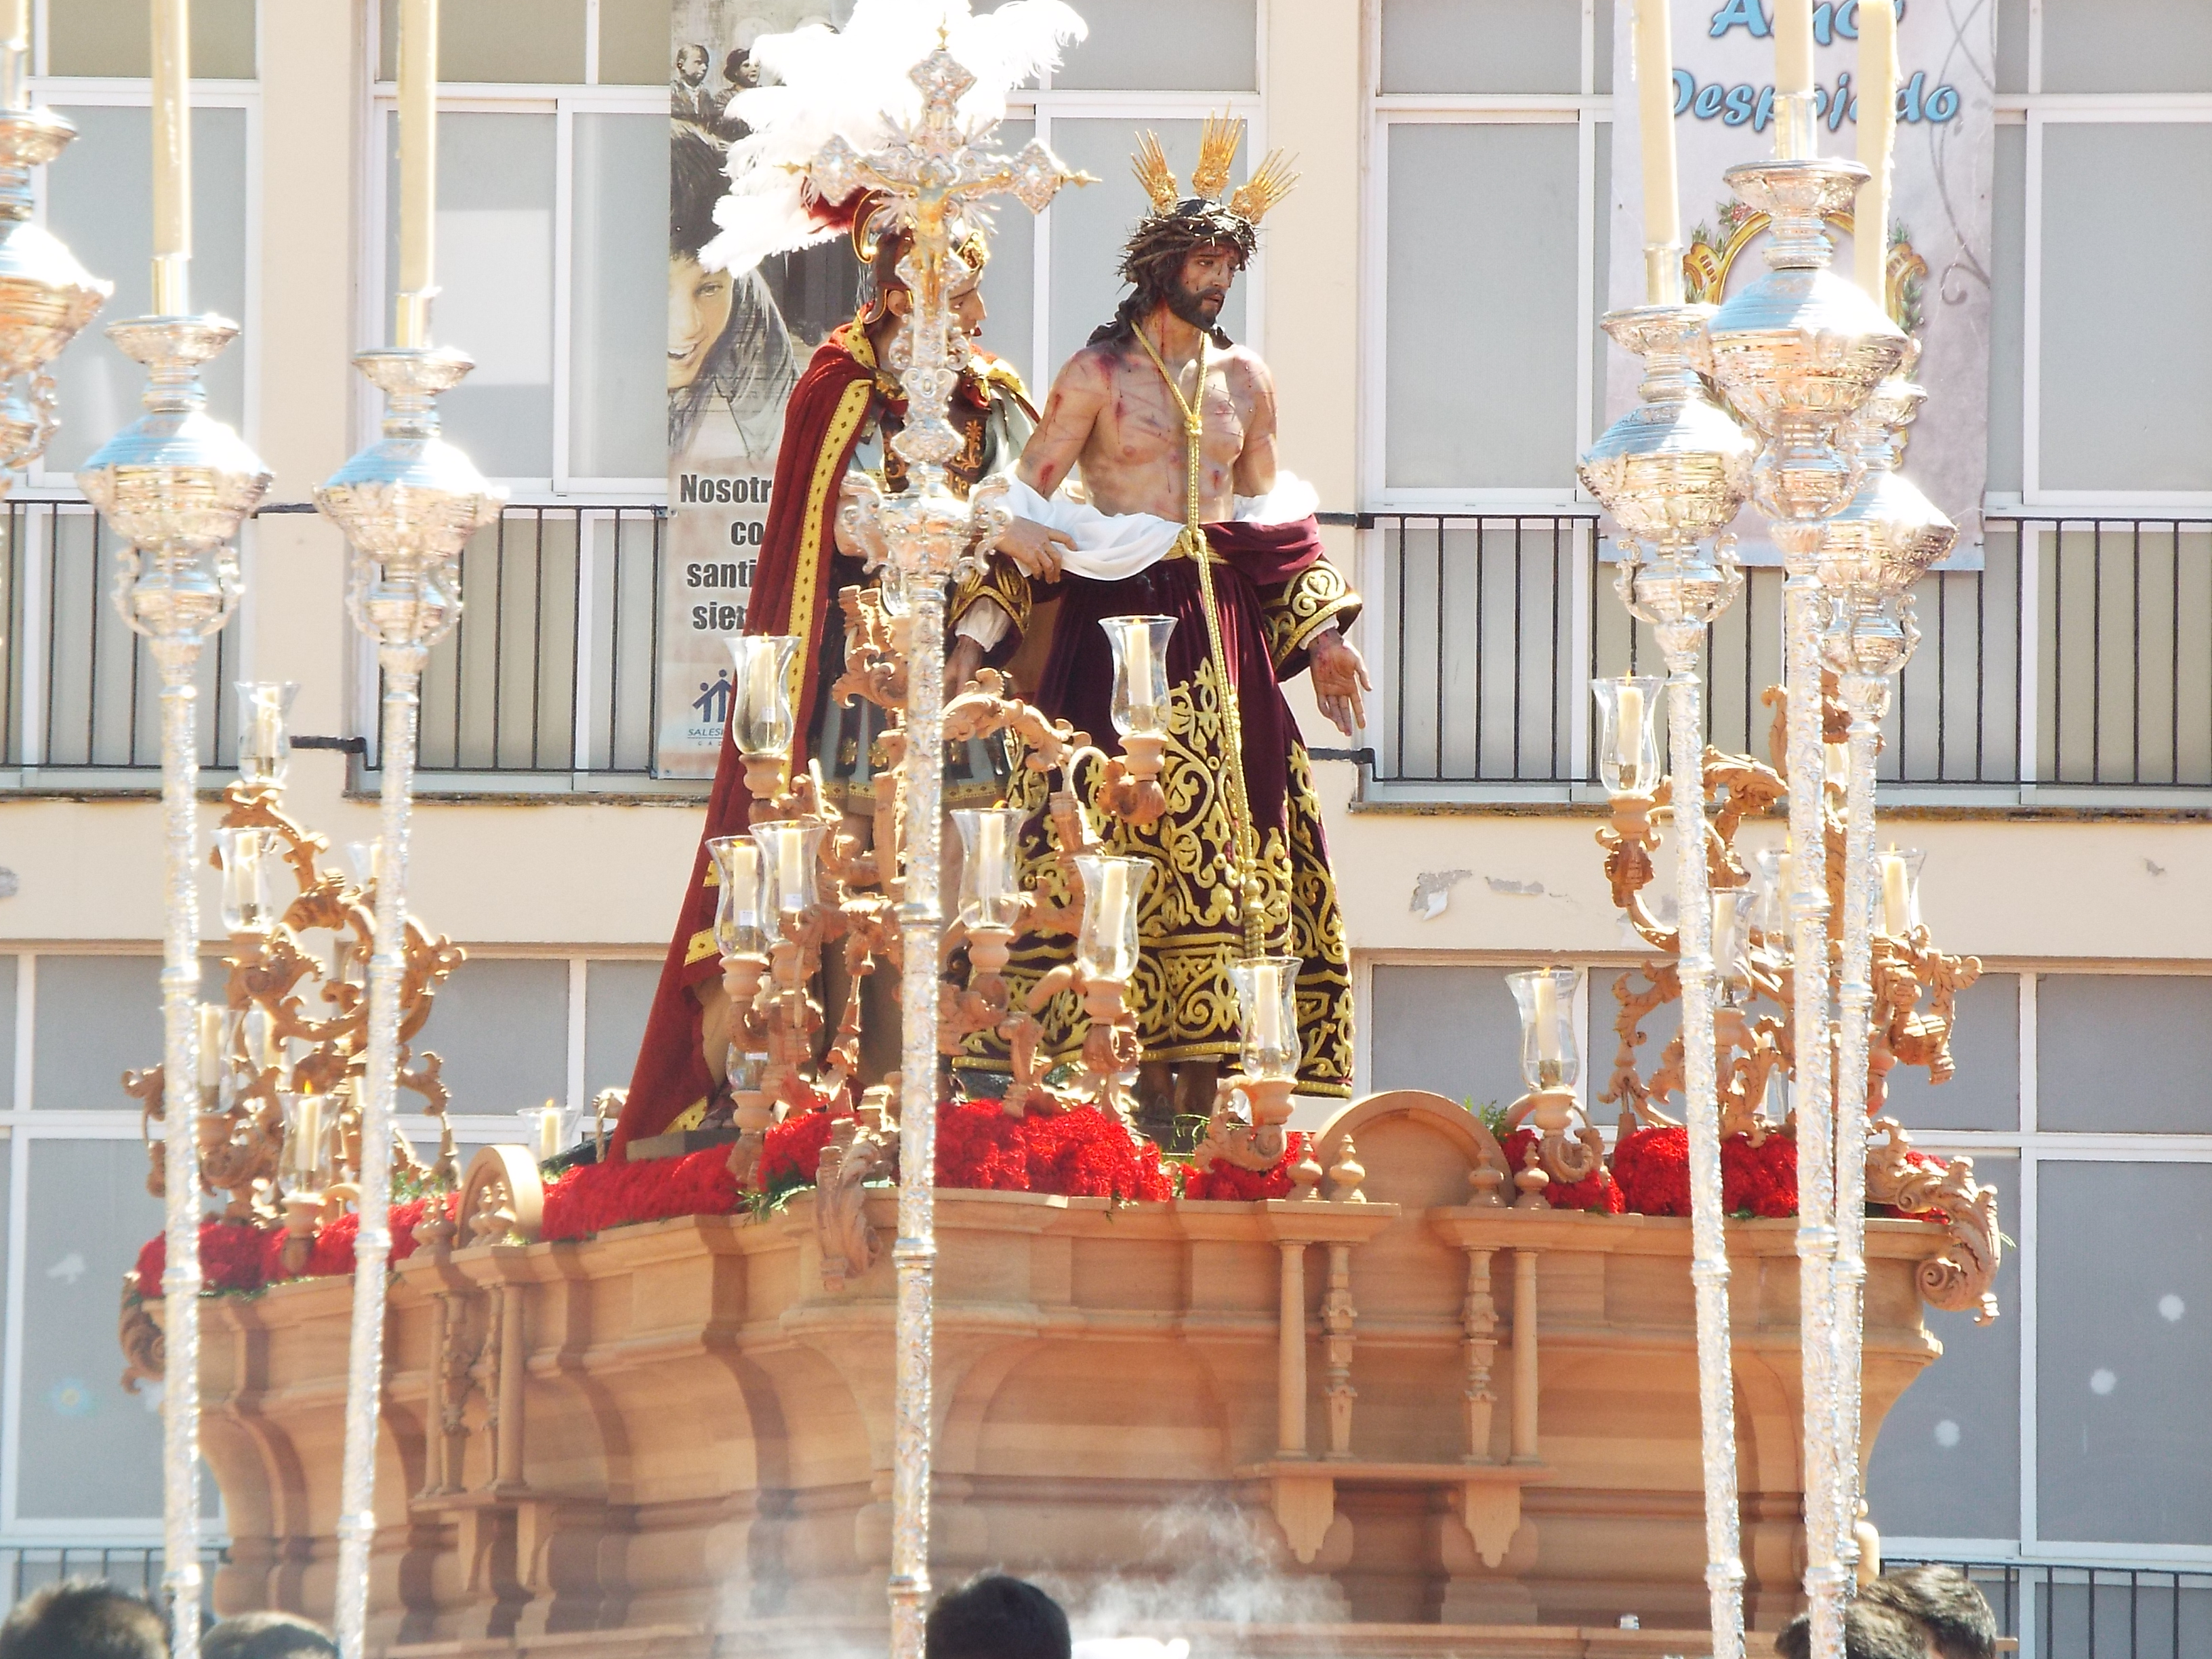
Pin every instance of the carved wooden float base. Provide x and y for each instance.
(1480, 1422)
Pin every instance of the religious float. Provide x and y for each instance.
(1427, 1380)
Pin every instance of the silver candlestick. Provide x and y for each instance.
(1674, 472)
(1797, 353)
(175, 485)
(927, 171)
(1871, 554)
(408, 503)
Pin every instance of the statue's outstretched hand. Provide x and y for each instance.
(1035, 548)
(1340, 675)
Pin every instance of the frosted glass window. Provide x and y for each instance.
(1985, 1044)
(1947, 1464)
(634, 43)
(2123, 1053)
(10, 967)
(97, 1017)
(494, 259)
(2123, 1448)
(619, 304)
(2008, 308)
(86, 1449)
(1165, 45)
(114, 37)
(618, 997)
(1090, 226)
(1010, 279)
(502, 1026)
(99, 200)
(2126, 46)
(1450, 187)
(1481, 45)
(2011, 45)
(2140, 194)
(1451, 1030)
(540, 41)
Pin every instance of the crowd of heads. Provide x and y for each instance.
(86, 1619)
(1912, 1613)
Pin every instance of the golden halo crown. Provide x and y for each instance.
(1216, 154)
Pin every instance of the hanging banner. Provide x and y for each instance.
(737, 342)
(1940, 233)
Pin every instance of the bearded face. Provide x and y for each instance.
(1202, 286)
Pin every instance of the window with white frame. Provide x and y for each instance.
(552, 213)
(80, 1459)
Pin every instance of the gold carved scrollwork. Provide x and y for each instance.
(1962, 1279)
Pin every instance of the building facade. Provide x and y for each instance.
(1428, 298)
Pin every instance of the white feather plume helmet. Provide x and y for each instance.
(826, 81)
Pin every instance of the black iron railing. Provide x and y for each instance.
(2098, 1613)
(25, 1567)
(2078, 656)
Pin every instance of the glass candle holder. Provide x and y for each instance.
(1733, 910)
(1267, 1004)
(1627, 734)
(548, 1130)
(1546, 997)
(890, 590)
(246, 857)
(990, 893)
(363, 859)
(1140, 672)
(303, 1140)
(264, 734)
(1770, 911)
(1106, 948)
(738, 928)
(760, 692)
(1900, 913)
(788, 852)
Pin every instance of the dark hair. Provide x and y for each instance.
(83, 1619)
(733, 63)
(1151, 262)
(268, 1636)
(1944, 1599)
(1870, 1633)
(695, 182)
(995, 1617)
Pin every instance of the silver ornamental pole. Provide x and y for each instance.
(1871, 553)
(1797, 353)
(1674, 471)
(175, 485)
(927, 172)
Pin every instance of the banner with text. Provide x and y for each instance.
(1939, 256)
(737, 341)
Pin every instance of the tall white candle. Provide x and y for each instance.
(210, 1044)
(16, 43)
(993, 873)
(173, 155)
(1728, 948)
(418, 165)
(1793, 47)
(791, 866)
(308, 1152)
(1546, 1019)
(1896, 894)
(1628, 730)
(1137, 665)
(1877, 86)
(1655, 107)
(1267, 1004)
(549, 1132)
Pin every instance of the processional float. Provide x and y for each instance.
(1812, 366)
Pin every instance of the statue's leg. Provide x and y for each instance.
(1156, 1101)
(1196, 1082)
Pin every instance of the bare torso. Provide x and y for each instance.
(1111, 412)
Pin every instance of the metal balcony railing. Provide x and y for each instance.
(2077, 661)
(25, 1567)
(2098, 1613)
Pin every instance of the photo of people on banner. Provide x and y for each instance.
(738, 341)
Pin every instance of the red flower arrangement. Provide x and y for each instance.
(1222, 1180)
(1080, 1153)
(1653, 1168)
(1597, 1191)
(237, 1256)
(593, 1197)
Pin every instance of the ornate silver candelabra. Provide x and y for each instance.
(1871, 554)
(927, 171)
(1674, 472)
(408, 503)
(175, 485)
(1798, 354)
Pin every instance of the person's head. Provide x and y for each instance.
(690, 64)
(1870, 1632)
(1186, 262)
(699, 300)
(82, 1619)
(267, 1635)
(737, 70)
(995, 1617)
(884, 294)
(1945, 1603)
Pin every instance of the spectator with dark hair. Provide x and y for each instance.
(995, 1617)
(1870, 1633)
(1945, 1603)
(268, 1636)
(83, 1619)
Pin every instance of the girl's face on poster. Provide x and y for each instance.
(699, 302)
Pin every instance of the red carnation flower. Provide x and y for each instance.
(1596, 1191)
